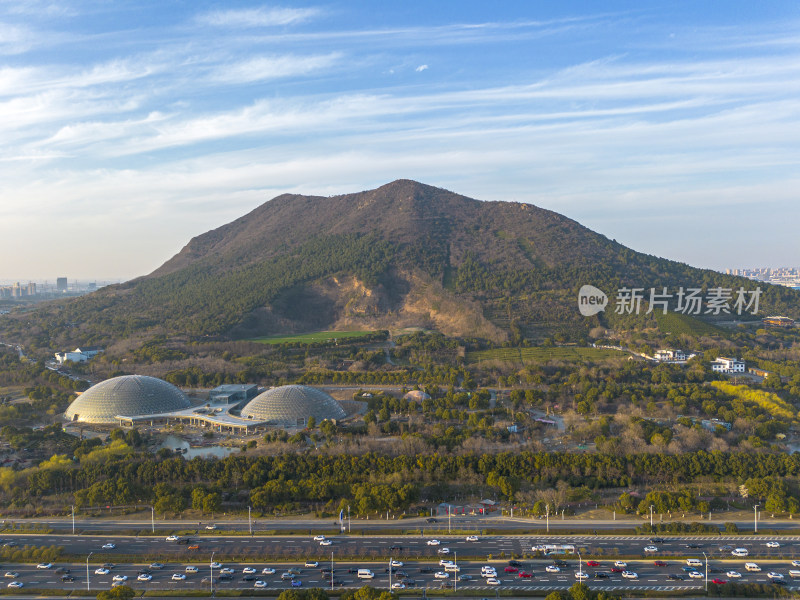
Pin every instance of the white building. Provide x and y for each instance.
(727, 365)
(78, 355)
(671, 356)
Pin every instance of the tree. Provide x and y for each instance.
(121, 592)
(311, 423)
(580, 591)
(212, 502)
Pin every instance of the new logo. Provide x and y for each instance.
(591, 300)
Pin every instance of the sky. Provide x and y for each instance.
(128, 127)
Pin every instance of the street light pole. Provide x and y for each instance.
(390, 574)
(449, 517)
(455, 572)
(547, 516)
(73, 519)
(87, 571)
(706, 557)
(153, 518)
(580, 567)
(331, 570)
(755, 518)
(348, 518)
(651, 517)
(249, 521)
(211, 566)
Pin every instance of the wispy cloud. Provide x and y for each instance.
(421, 68)
(257, 17)
(263, 68)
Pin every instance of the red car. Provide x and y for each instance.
(659, 563)
(511, 570)
(719, 581)
(525, 574)
(592, 563)
(617, 569)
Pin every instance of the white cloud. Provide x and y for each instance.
(421, 68)
(263, 68)
(257, 17)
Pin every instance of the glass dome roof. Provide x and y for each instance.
(292, 405)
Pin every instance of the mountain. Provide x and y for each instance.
(404, 254)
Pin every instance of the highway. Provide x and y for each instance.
(421, 561)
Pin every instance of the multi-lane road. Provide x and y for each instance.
(419, 555)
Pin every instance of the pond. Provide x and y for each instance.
(171, 442)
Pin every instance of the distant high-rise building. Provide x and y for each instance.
(31, 288)
(61, 284)
(16, 291)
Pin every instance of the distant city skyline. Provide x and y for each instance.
(128, 128)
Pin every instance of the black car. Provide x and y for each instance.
(61, 570)
(410, 583)
(600, 575)
(249, 578)
(67, 578)
(182, 541)
(694, 545)
(657, 540)
(559, 563)
(401, 574)
(338, 582)
(225, 577)
(674, 577)
(514, 563)
(778, 582)
(422, 570)
(143, 572)
(431, 520)
(714, 570)
(327, 571)
(395, 547)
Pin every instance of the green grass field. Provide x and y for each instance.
(542, 354)
(310, 338)
(677, 323)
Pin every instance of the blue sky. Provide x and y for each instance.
(129, 127)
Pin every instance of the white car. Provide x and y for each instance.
(120, 578)
(651, 549)
(319, 538)
(248, 570)
(178, 577)
(621, 564)
(101, 571)
(144, 577)
(398, 586)
(552, 569)
(260, 583)
(472, 538)
(695, 574)
(433, 542)
(774, 575)
(12, 574)
(191, 569)
(580, 576)
(172, 538)
(445, 562)
(15, 584)
(326, 543)
(796, 563)
(441, 575)
(739, 552)
(216, 565)
(311, 564)
(630, 575)
(488, 573)
(211, 527)
(44, 566)
(443, 550)
(156, 565)
(733, 575)
(396, 563)
(794, 573)
(493, 581)
(268, 571)
(226, 571)
(109, 546)
(773, 545)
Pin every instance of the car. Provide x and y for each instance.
(657, 540)
(630, 575)
(674, 577)
(725, 548)
(600, 575)
(650, 549)
(182, 541)
(774, 575)
(178, 577)
(616, 569)
(396, 563)
(552, 569)
(580, 575)
(398, 585)
(431, 520)
(659, 563)
(796, 563)
(260, 583)
(694, 545)
(156, 565)
(794, 573)
(287, 575)
(101, 571)
(191, 569)
(740, 552)
(433, 542)
(44, 566)
(109, 546)
(225, 577)
(511, 570)
(695, 574)
(249, 578)
(211, 527)
(493, 581)
(326, 543)
(443, 551)
(216, 565)
(773, 544)
(688, 569)
(15, 584)
(12, 574)
(10, 545)
(248, 570)
(120, 578)
(172, 538)
(144, 577)
(441, 575)
(514, 563)
(297, 583)
(319, 538)
(67, 578)
(268, 571)
(62, 570)
(733, 574)
(193, 547)
(109, 565)
(592, 563)
(143, 572)
(226, 571)
(524, 575)
(719, 581)
(311, 564)
(620, 563)
(472, 538)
